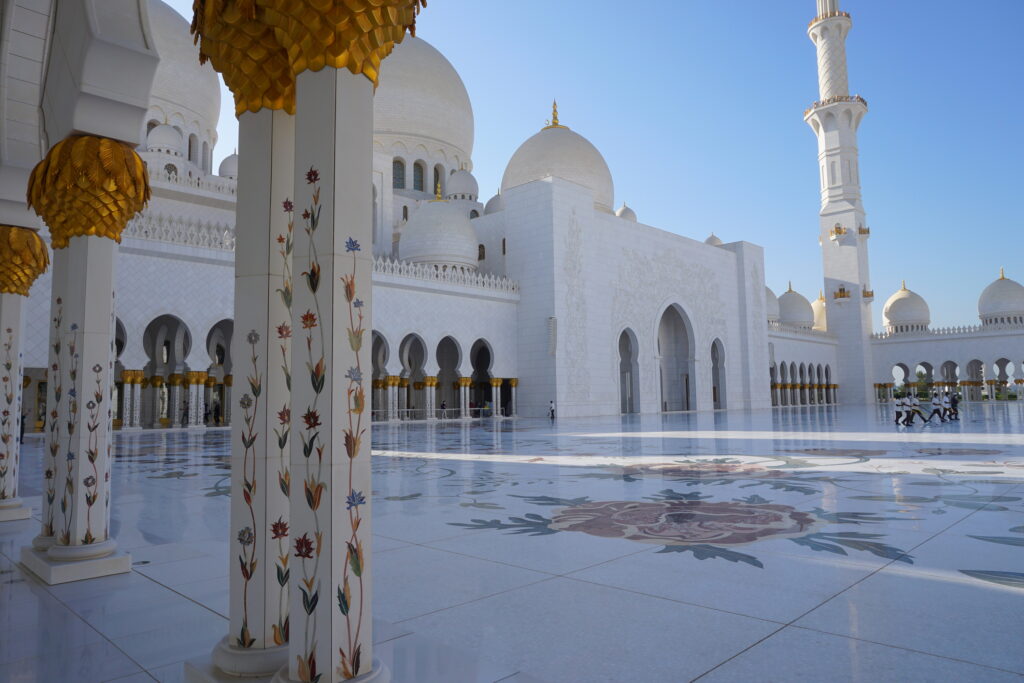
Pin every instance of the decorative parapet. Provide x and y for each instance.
(833, 100)
(454, 276)
(164, 228)
(837, 232)
(214, 184)
(827, 15)
(864, 231)
(776, 326)
(950, 331)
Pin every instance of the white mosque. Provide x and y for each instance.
(544, 293)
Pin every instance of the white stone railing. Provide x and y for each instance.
(214, 184)
(162, 228)
(950, 331)
(776, 326)
(388, 266)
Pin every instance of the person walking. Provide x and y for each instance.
(946, 410)
(915, 409)
(954, 407)
(444, 409)
(936, 405)
(551, 411)
(908, 410)
(898, 405)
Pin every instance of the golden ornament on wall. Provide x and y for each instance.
(88, 185)
(23, 258)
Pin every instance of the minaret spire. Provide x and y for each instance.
(835, 118)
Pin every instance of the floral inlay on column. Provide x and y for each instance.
(10, 414)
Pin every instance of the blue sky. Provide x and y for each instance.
(697, 108)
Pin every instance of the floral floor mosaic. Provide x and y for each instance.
(800, 544)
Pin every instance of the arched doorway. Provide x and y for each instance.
(629, 373)
(413, 354)
(379, 357)
(718, 374)
(482, 358)
(449, 357)
(218, 346)
(167, 341)
(675, 350)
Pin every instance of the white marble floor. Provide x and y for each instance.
(801, 544)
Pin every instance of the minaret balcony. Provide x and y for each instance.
(827, 15)
(864, 231)
(867, 294)
(837, 232)
(835, 99)
(841, 294)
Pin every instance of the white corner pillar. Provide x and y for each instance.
(256, 644)
(229, 381)
(11, 369)
(392, 389)
(331, 563)
(513, 409)
(76, 542)
(464, 383)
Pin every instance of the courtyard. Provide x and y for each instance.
(815, 543)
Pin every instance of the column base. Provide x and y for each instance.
(246, 665)
(379, 674)
(62, 566)
(13, 509)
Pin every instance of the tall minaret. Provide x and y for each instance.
(844, 233)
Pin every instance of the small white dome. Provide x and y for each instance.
(559, 152)
(437, 233)
(626, 213)
(164, 138)
(795, 310)
(906, 309)
(771, 304)
(462, 185)
(495, 204)
(713, 240)
(421, 96)
(818, 308)
(1004, 297)
(229, 167)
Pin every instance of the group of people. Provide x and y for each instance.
(909, 406)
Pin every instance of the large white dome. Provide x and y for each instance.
(164, 138)
(795, 310)
(182, 85)
(437, 233)
(771, 303)
(422, 99)
(1002, 298)
(559, 152)
(906, 311)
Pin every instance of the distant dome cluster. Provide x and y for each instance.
(184, 103)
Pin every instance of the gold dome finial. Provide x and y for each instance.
(437, 193)
(554, 116)
(821, 295)
(790, 286)
(1002, 273)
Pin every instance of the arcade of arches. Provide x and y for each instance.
(974, 380)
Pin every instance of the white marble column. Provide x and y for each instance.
(207, 390)
(176, 395)
(136, 414)
(430, 397)
(496, 396)
(331, 608)
(392, 383)
(513, 410)
(228, 399)
(261, 482)
(78, 545)
(11, 506)
(197, 400)
(464, 383)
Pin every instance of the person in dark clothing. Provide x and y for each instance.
(551, 411)
(954, 403)
(21, 436)
(216, 413)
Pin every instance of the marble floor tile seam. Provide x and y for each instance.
(102, 635)
(474, 600)
(521, 566)
(669, 599)
(844, 590)
(176, 592)
(906, 649)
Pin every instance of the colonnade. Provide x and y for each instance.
(788, 394)
(398, 398)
